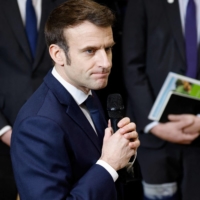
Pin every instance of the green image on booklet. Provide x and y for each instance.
(188, 88)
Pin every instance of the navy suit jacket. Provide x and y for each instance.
(54, 149)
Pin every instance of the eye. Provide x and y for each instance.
(90, 51)
(108, 49)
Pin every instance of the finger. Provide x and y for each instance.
(123, 122)
(188, 138)
(194, 128)
(189, 130)
(109, 123)
(131, 136)
(174, 117)
(134, 145)
(189, 119)
(182, 120)
(127, 128)
(108, 133)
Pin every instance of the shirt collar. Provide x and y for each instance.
(78, 95)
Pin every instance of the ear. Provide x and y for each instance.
(57, 54)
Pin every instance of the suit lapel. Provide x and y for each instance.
(78, 117)
(175, 22)
(12, 13)
(72, 110)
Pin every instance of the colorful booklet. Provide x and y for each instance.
(179, 94)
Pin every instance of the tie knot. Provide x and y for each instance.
(91, 104)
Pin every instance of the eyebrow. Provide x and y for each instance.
(95, 47)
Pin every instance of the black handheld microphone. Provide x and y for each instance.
(115, 109)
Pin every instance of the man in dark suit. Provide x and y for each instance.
(56, 148)
(20, 74)
(153, 45)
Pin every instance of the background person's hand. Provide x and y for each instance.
(174, 130)
(6, 137)
(193, 127)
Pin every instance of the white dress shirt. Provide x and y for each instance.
(37, 4)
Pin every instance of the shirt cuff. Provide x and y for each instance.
(111, 171)
(150, 126)
(4, 129)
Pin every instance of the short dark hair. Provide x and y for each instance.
(72, 13)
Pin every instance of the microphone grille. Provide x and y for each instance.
(115, 106)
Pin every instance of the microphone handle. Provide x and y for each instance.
(114, 122)
(122, 172)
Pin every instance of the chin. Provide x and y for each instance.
(98, 84)
(98, 87)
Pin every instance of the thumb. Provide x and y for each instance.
(174, 117)
(108, 133)
(190, 137)
(183, 120)
(109, 123)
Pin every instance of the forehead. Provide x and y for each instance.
(87, 33)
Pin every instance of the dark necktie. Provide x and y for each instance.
(191, 39)
(31, 26)
(97, 118)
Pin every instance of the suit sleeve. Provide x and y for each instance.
(140, 98)
(42, 165)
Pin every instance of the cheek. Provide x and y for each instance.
(110, 58)
(87, 67)
(83, 67)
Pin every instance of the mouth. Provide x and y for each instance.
(102, 71)
(101, 74)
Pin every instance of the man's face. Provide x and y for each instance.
(90, 51)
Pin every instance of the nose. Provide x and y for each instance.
(105, 59)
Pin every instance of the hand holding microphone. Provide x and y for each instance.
(115, 108)
(118, 148)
